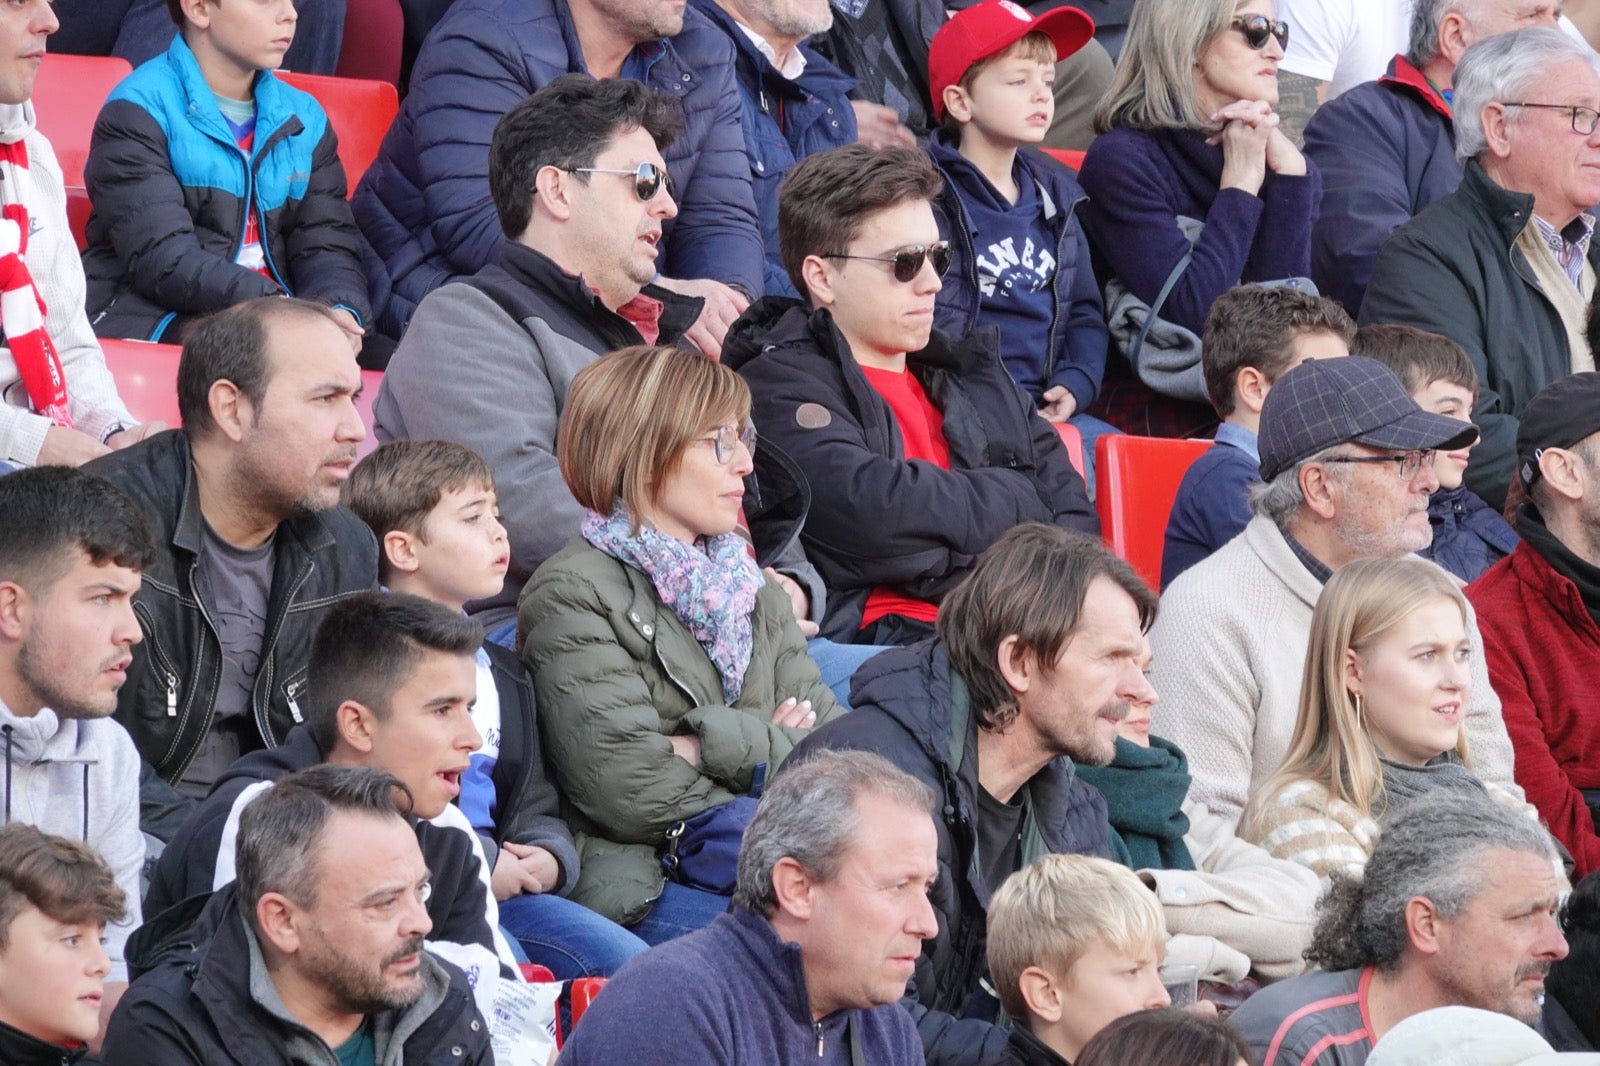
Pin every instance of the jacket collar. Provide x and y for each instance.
(757, 69)
(271, 96)
(943, 148)
(780, 963)
(188, 531)
(1407, 78)
(532, 268)
(19, 1049)
(1507, 211)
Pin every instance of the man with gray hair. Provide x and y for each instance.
(1505, 265)
(1457, 907)
(1387, 148)
(1347, 466)
(809, 964)
(315, 952)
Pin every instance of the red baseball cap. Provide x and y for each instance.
(992, 26)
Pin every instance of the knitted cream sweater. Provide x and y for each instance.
(1230, 648)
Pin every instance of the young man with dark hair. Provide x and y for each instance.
(1254, 335)
(317, 952)
(56, 899)
(919, 450)
(214, 182)
(390, 682)
(1038, 656)
(432, 506)
(72, 551)
(252, 547)
(1469, 536)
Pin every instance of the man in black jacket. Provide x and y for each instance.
(1505, 265)
(391, 681)
(919, 449)
(316, 954)
(1037, 658)
(252, 547)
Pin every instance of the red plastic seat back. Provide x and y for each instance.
(147, 378)
(67, 97)
(360, 111)
(1070, 157)
(1136, 481)
(374, 38)
(1074, 442)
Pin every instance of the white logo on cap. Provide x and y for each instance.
(1015, 10)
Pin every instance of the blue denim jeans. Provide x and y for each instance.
(568, 938)
(839, 662)
(680, 910)
(1090, 429)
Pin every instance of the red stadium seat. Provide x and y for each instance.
(361, 112)
(1136, 480)
(374, 38)
(1074, 442)
(78, 214)
(67, 97)
(1068, 156)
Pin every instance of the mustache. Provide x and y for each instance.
(1116, 710)
(406, 950)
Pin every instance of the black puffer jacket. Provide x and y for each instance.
(876, 519)
(907, 710)
(168, 701)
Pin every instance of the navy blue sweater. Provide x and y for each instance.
(731, 993)
(1140, 182)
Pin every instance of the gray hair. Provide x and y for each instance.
(809, 814)
(279, 831)
(1425, 18)
(1507, 66)
(1432, 846)
(1281, 498)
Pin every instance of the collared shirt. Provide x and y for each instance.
(792, 68)
(1318, 569)
(1569, 245)
(1242, 437)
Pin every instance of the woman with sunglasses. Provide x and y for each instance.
(1192, 189)
(1387, 679)
(669, 671)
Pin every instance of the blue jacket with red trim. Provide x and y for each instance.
(1386, 149)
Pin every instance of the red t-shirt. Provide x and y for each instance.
(922, 434)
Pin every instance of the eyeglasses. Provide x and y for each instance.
(648, 179)
(723, 438)
(1410, 463)
(1257, 28)
(908, 260)
(1584, 119)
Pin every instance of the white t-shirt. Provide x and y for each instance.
(1344, 42)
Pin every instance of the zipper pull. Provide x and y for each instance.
(818, 1027)
(172, 695)
(293, 694)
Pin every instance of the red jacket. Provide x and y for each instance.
(1543, 652)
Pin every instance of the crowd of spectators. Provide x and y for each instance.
(723, 615)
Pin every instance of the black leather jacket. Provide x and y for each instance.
(167, 702)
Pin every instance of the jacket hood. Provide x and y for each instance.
(297, 752)
(912, 686)
(24, 740)
(774, 321)
(16, 122)
(758, 328)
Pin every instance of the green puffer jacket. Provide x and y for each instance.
(616, 673)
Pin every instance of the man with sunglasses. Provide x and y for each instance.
(1505, 265)
(1387, 148)
(918, 449)
(1346, 461)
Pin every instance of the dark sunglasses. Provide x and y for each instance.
(908, 260)
(1257, 28)
(647, 178)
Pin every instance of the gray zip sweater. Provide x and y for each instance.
(79, 778)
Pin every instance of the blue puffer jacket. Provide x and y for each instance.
(172, 191)
(424, 206)
(784, 121)
(1386, 149)
(1077, 354)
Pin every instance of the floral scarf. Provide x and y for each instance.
(711, 586)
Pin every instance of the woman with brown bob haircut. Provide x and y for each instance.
(670, 673)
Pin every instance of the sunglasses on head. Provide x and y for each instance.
(647, 178)
(907, 261)
(1258, 28)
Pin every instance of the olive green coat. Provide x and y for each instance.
(616, 673)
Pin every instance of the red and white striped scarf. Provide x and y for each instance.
(22, 309)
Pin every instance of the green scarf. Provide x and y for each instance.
(1145, 789)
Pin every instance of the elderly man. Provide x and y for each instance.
(1539, 608)
(315, 953)
(425, 205)
(1037, 658)
(828, 918)
(252, 547)
(1387, 148)
(1505, 265)
(1457, 908)
(1346, 457)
